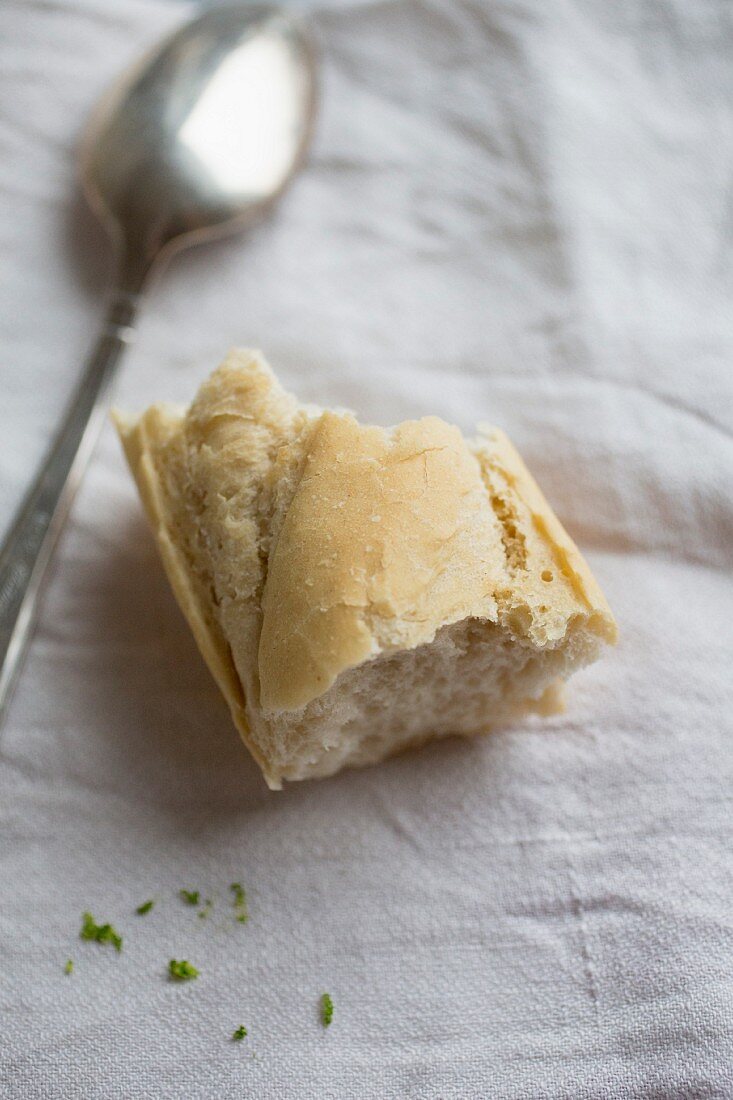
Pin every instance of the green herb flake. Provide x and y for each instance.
(204, 912)
(182, 971)
(144, 908)
(326, 1009)
(69, 968)
(102, 933)
(240, 902)
(239, 1034)
(191, 897)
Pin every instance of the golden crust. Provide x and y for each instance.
(387, 538)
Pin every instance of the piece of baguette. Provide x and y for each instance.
(357, 590)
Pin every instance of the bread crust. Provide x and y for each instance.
(387, 538)
(145, 441)
(301, 545)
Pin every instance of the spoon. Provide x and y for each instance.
(197, 140)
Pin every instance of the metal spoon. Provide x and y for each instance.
(198, 140)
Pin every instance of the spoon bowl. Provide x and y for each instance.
(203, 134)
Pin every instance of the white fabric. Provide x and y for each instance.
(516, 212)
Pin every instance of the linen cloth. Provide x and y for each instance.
(517, 212)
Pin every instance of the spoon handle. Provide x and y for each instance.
(26, 552)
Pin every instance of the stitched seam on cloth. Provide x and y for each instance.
(674, 403)
(578, 911)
